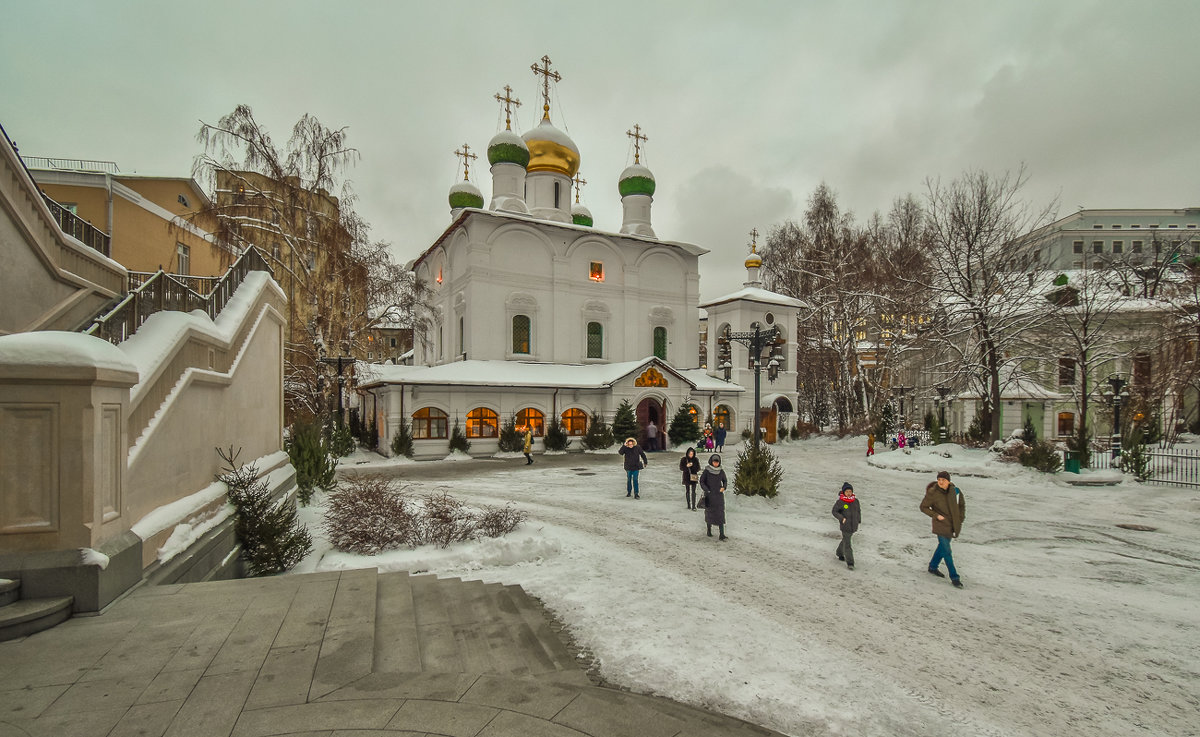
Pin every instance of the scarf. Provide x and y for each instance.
(710, 469)
(847, 499)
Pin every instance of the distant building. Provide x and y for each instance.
(1090, 238)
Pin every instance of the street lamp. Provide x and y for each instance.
(900, 390)
(1115, 392)
(942, 433)
(756, 341)
(340, 362)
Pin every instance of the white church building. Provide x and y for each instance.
(540, 314)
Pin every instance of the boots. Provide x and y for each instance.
(722, 537)
(710, 530)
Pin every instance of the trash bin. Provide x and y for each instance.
(1071, 462)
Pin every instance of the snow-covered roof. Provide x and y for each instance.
(757, 294)
(531, 374)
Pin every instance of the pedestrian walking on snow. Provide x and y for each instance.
(849, 515)
(635, 461)
(690, 466)
(946, 506)
(713, 483)
(528, 445)
(719, 437)
(870, 444)
(901, 440)
(651, 437)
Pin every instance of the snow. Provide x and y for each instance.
(635, 170)
(89, 557)
(1067, 624)
(545, 131)
(757, 294)
(54, 348)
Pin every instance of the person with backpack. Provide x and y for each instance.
(946, 506)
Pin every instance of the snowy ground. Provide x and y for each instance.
(1067, 625)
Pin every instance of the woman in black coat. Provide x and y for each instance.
(713, 482)
(690, 466)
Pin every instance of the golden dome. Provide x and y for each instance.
(551, 150)
(754, 261)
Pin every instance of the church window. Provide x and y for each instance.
(660, 343)
(595, 340)
(520, 334)
(462, 335)
(1066, 371)
(482, 423)
(596, 272)
(533, 418)
(556, 205)
(574, 422)
(721, 415)
(429, 423)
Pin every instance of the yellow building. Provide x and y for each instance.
(154, 222)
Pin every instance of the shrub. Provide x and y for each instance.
(624, 424)
(1029, 432)
(684, 429)
(315, 466)
(930, 420)
(511, 439)
(1041, 456)
(745, 434)
(371, 440)
(402, 441)
(975, 431)
(1134, 458)
(341, 441)
(446, 520)
(458, 440)
(270, 533)
(795, 432)
(498, 521)
(598, 436)
(806, 429)
(1081, 444)
(556, 437)
(758, 471)
(367, 515)
(887, 422)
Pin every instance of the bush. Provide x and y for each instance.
(371, 440)
(511, 439)
(624, 424)
(402, 441)
(458, 440)
(758, 471)
(806, 429)
(446, 520)
(556, 437)
(315, 466)
(498, 521)
(598, 436)
(887, 422)
(975, 431)
(341, 441)
(684, 429)
(1041, 456)
(1029, 432)
(1134, 458)
(270, 533)
(930, 420)
(745, 434)
(795, 432)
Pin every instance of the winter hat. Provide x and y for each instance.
(630, 440)
(944, 475)
(714, 458)
(690, 450)
(847, 487)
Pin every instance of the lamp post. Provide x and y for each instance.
(341, 362)
(942, 434)
(900, 389)
(755, 341)
(1115, 392)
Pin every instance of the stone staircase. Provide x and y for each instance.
(21, 617)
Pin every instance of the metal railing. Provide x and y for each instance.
(78, 228)
(160, 291)
(1176, 466)
(49, 162)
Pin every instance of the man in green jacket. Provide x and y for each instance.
(945, 505)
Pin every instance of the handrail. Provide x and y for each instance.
(78, 228)
(162, 291)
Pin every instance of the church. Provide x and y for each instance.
(540, 314)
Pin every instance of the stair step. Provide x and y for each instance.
(435, 635)
(28, 616)
(348, 648)
(396, 639)
(519, 603)
(10, 591)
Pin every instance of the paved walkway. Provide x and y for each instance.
(338, 654)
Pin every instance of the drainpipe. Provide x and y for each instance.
(109, 204)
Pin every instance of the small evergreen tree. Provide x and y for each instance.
(976, 431)
(887, 423)
(1080, 443)
(458, 439)
(935, 432)
(795, 433)
(930, 420)
(758, 471)
(556, 437)
(598, 436)
(781, 431)
(1029, 432)
(339, 438)
(371, 441)
(1134, 458)
(315, 465)
(402, 441)
(512, 440)
(272, 537)
(624, 424)
(1041, 456)
(683, 427)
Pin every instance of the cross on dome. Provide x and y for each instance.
(547, 75)
(637, 136)
(579, 182)
(508, 101)
(754, 240)
(465, 154)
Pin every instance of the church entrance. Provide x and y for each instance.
(768, 419)
(648, 410)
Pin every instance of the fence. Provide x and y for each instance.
(1176, 466)
(78, 228)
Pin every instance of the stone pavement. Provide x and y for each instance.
(336, 654)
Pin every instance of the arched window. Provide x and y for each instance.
(574, 422)
(482, 423)
(520, 333)
(694, 412)
(660, 343)
(595, 340)
(721, 415)
(429, 423)
(533, 418)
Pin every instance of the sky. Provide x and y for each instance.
(748, 106)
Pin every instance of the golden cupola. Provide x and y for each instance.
(551, 150)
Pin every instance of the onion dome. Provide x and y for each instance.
(550, 150)
(580, 215)
(507, 147)
(465, 194)
(636, 179)
(753, 261)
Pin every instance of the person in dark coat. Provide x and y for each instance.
(713, 483)
(690, 466)
(635, 460)
(944, 503)
(849, 515)
(719, 437)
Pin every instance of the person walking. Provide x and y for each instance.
(901, 440)
(651, 437)
(870, 444)
(719, 437)
(713, 483)
(690, 466)
(635, 460)
(849, 515)
(944, 503)
(528, 445)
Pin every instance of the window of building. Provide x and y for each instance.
(1172, 226)
(1136, 246)
(1141, 369)
(183, 200)
(660, 343)
(530, 417)
(1077, 246)
(1116, 227)
(1135, 226)
(520, 334)
(391, 342)
(721, 415)
(71, 207)
(1118, 246)
(370, 355)
(595, 340)
(574, 422)
(429, 423)
(482, 423)
(1097, 246)
(183, 259)
(1066, 372)
(462, 335)
(1066, 423)
(556, 191)
(596, 271)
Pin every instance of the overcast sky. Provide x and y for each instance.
(748, 106)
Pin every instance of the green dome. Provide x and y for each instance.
(507, 147)
(580, 215)
(465, 194)
(636, 179)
